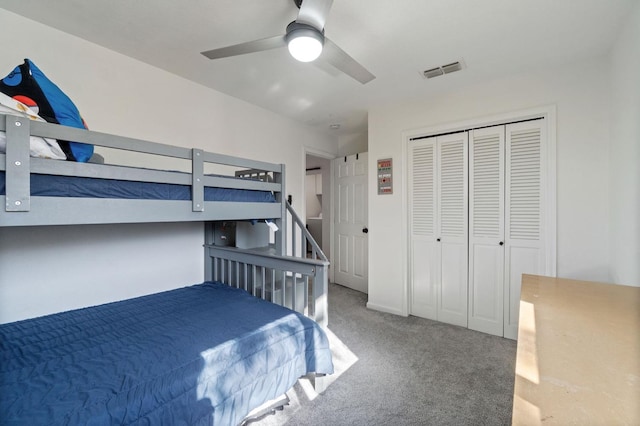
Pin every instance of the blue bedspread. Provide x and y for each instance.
(73, 186)
(205, 354)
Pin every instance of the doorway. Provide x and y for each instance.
(317, 193)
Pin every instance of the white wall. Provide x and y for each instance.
(352, 143)
(117, 94)
(56, 268)
(581, 94)
(624, 185)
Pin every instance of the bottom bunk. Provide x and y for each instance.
(204, 354)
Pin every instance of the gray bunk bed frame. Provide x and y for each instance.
(23, 210)
(299, 283)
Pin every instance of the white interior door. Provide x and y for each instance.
(351, 242)
(524, 219)
(486, 229)
(438, 219)
(424, 269)
(452, 208)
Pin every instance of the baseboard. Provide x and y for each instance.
(386, 309)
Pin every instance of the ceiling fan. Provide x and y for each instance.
(306, 41)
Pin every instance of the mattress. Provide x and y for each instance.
(73, 186)
(204, 354)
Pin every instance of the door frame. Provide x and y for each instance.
(326, 221)
(548, 112)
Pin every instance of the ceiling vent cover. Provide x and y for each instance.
(443, 69)
(433, 72)
(453, 67)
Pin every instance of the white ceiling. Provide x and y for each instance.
(395, 40)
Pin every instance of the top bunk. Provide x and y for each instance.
(211, 187)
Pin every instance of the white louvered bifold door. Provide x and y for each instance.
(477, 223)
(486, 229)
(524, 224)
(451, 230)
(422, 223)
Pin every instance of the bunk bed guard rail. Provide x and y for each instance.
(19, 166)
(298, 283)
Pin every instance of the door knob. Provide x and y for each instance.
(438, 239)
(365, 230)
(501, 243)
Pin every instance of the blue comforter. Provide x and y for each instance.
(84, 187)
(205, 354)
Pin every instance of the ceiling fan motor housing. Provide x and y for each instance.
(298, 29)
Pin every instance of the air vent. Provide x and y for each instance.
(443, 69)
(453, 67)
(433, 72)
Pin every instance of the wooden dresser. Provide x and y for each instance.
(578, 357)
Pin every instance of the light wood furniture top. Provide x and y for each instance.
(578, 357)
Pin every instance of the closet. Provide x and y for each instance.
(476, 207)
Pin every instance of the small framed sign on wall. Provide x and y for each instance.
(385, 176)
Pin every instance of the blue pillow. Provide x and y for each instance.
(29, 85)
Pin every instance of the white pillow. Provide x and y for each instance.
(40, 147)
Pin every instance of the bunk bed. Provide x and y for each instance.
(211, 353)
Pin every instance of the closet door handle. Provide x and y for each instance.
(438, 239)
(365, 230)
(501, 243)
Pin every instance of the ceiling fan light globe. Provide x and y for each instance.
(305, 48)
(304, 41)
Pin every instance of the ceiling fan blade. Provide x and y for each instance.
(314, 12)
(248, 47)
(345, 63)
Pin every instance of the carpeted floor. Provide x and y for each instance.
(393, 370)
